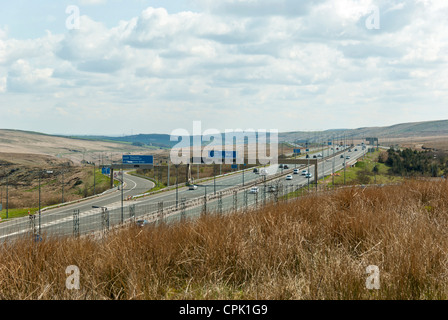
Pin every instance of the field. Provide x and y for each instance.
(315, 247)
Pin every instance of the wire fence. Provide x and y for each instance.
(97, 222)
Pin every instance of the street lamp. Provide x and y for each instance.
(177, 181)
(214, 178)
(122, 192)
(40, 177)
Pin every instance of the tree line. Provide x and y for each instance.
(410, 162)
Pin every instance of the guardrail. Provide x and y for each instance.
(94, 222)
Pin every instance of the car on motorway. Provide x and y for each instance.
(304, 172)
(280, 166)
(347, 157)
(141, 222)
(285, 166)
(314, 156)
(255, 170)
(289, 177)
(309, 175)
(272, 189)
(192, 187)
(253, 190)
(296, 171)
(307, 156)
(342, 156)
(356, 149)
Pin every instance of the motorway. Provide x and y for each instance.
(298, 181)
(60, 221)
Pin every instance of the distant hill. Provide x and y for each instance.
(415, 129)
(404, 130)
(155, 140)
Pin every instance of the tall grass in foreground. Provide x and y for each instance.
(317, 247)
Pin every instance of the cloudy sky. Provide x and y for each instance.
(151, 66)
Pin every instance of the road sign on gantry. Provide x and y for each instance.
(222, 154)
(138, 159)
(297, 151)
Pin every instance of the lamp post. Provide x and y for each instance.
(214, 178)
(122, 191)
(177, 184)
(40, 178)
(308, 174)
(334, 147)
(7, 196)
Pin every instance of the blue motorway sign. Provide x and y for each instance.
(234, 166)
(105, 170)
(297, 151)
(138, 159)
(222, 154)
(329, 143)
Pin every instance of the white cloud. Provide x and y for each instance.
(2, 84)
(92, 2)
(232, 59)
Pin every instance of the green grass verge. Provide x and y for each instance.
(366, 165)
(17, 213)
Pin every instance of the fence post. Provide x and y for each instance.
(235, 200)
(76, 223)
(204, 206)
(264, 193)
(160, 212)
(33, 224)
(105, 220)
(132, 212)
(256, 200)
(183, 209)
(220, 203)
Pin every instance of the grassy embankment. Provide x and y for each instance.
(363, 173)
(316, 247)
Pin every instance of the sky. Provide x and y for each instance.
(113, 67)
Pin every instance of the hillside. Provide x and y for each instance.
(398, 131)
(403, 130)
(16, 146)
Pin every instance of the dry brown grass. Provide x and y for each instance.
(317, 247)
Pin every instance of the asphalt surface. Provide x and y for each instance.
(63, 222)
